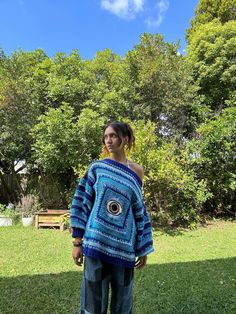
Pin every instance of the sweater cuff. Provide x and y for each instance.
(77, 232)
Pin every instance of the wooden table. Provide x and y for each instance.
(50, 218)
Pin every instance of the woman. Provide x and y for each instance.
(110, 225)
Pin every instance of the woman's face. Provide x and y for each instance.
(112, 141)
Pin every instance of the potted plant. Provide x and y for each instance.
(28, 206)
(7, 215)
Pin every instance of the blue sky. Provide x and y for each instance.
(90, 25)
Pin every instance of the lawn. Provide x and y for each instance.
(190, 272)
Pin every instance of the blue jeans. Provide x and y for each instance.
(95, 288)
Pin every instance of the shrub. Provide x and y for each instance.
(11, 212)
(172, 192)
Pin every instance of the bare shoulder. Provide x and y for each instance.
(137, 169)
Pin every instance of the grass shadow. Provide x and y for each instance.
(171, 231)
(190, 287)
(41, 294)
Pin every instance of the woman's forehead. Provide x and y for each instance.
(109, 130)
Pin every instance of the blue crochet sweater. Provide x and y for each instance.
(108, 212)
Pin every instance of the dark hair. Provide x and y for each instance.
(122, 129)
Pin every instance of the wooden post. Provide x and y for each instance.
(37, 221)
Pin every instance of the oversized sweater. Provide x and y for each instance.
(109, 213)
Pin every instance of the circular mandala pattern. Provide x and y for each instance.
(114, 208)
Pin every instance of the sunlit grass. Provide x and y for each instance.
(190, 272)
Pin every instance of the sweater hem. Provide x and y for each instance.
(144, 253)
(107, 258)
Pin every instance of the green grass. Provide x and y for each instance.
(190, 272)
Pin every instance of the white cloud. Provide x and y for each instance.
(153, 10)
(160, 9)
(126, 9)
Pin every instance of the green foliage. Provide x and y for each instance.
(65, 220)
(208, 10)
(10, 212)
(56, 143)
(69, 80)
(62, 143)
(162, 85)
(212, 154)
(110, 91)
(90, 130)
(145, 141)
(2, 208)
(19, 102)
(172, 192)
(211, 55)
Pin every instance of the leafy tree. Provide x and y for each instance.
(90, 131)
(211, 55)
(212, 155)
(63, 141)
(70, 80)
(63, 145)
(110, 93)
(22, 99)
(163, 87)
(55, 140)
(20, 103)
(208, 10)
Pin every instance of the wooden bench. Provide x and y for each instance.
(51, 218)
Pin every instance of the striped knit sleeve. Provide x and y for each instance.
(82, 204)
(144, 242)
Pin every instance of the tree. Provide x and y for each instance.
(213, 155)
(208, 10)
(211, 54)
(64, 144)
(20, 103)
(111, 91)
(22, 100)
(70, 80)
(162, 86)
(63, 141)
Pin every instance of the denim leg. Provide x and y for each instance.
(122, 290)
(82, 300)
(95, 287)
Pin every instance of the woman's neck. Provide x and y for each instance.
(120, 157)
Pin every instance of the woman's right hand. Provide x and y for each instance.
(77, 255)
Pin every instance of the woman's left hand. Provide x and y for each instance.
(141, 262)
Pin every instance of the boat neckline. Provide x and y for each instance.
(125, 168)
